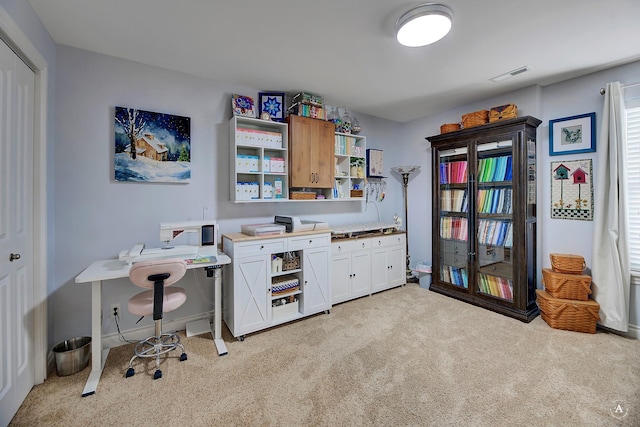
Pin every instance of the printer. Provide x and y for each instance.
(293, 224)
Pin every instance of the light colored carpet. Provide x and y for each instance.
(404, 357)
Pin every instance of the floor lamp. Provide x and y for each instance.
(405, 171)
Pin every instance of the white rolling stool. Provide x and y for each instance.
(157, 276)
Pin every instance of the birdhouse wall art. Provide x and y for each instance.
(572, 190)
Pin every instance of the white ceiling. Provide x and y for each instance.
(346, 51)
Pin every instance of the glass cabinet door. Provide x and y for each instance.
(494, 202)
(453, 217)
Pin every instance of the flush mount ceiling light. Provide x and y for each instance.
(424, 25)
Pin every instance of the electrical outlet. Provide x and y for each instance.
(115, 310)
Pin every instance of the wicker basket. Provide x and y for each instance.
(570, 315)
(476, 118)
(567, 263)
(357, 193)
(501, 112)
(303, 195)
(449, 127)
(567, 286)
(291, 263)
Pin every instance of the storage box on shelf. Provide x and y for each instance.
(307, 104)
(259, 157)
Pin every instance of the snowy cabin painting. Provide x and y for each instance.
(162, 146)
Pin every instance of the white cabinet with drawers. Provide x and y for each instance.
(273, 280)
(362, 266)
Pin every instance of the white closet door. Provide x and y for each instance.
(16, 219)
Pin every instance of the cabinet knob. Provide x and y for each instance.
(14, 257)
(339, 248)
(310, 241)
(363, 244)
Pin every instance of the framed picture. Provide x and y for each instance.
(272, 103)
(375, 163)
(151, 147)
(571, 135)
(572, 189)
(242, 106)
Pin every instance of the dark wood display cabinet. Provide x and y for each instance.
(484, 216)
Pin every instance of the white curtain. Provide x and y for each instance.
(610, 258)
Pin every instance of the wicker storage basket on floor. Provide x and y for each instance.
(449, 127)
(567, 263)
(570, 315)
(566, 286)
(476, 118)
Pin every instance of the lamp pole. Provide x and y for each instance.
(405, 171)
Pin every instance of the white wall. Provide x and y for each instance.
(96, 217)
(576, 96)
(29, 23)
(92, 217)
(418, 151)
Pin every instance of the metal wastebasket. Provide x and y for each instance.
(423, 269)
(72, 355)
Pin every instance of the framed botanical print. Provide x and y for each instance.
(272, 103)
(571, 135)
(375, 163)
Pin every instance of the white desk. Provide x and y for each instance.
(116, 269)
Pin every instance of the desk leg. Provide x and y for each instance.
(217, 315)
(98, 355)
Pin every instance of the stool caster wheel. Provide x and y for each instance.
(157, 374)
(129, 373)
(183, 357)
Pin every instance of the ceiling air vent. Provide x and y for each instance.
(510, 74)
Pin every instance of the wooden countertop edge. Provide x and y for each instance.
(241, 237)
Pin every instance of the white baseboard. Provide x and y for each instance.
(634, 332)
(113, 340)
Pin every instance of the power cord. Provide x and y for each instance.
(121, 337)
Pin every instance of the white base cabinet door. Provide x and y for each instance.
(350, 269)
(248, 296)
(366, 265)
(316, 292)
(273, 280)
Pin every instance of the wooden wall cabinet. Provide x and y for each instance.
(311, 161)
(484, 216)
